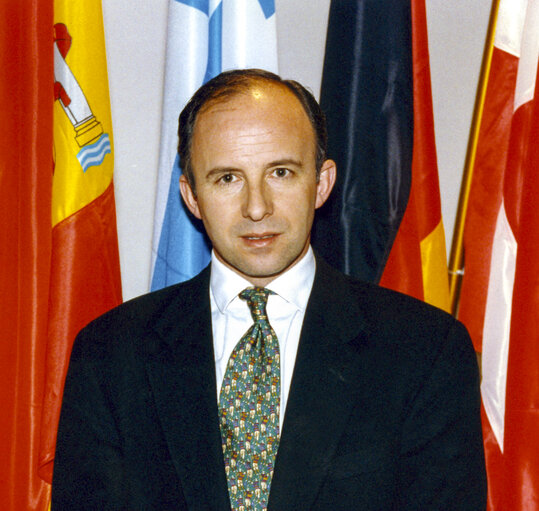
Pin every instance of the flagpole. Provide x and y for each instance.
(456, 259)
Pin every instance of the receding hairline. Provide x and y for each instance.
(245, 88)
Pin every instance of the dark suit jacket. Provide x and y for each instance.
(383, 410)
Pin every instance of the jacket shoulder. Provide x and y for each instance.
(144, 316)
(388, 318)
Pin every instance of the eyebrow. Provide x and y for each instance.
(284, 162)
(276, 163)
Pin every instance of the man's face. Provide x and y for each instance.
(253, 160)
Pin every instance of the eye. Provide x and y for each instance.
(227, 179)
(281, 172)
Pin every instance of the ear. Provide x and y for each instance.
(189, 197)
(326, 180)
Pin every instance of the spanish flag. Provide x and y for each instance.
(383, 221)
(85, 267)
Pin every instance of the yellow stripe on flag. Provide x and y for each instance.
(82, 120)
(434, 268)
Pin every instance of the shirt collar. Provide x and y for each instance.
(294, 285)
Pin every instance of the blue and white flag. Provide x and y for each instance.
(205, 37)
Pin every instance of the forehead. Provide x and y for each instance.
(267, 103)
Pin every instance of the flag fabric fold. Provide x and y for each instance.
(500, 289)
(383, 222)
(204, 38)
(25, 208)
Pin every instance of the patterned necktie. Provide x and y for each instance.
(249, 409)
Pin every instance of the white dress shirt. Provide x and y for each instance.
(231, 317)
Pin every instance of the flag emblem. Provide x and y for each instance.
(88, 130)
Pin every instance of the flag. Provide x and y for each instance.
(417, 263)
(25, 241)
(489, 169)
(500, 290)
(85, 267)
(383, 222)
(205, 37)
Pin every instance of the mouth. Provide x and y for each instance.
(260, 237)
(262, 240)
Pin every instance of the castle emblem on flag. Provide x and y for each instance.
(88, 130)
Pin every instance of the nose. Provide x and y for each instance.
(257, 202)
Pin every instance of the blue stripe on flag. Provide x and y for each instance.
(93, 155)
(201, 5)
(215, 32)
(268, 7)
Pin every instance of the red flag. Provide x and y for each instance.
(500, 293)
(25, 205)
(417, 262)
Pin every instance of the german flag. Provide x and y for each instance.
(383, 223)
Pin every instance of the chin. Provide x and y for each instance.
(265, 271)
(262, 273)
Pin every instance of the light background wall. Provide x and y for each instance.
(136, 40)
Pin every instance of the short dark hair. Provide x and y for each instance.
(232, 83)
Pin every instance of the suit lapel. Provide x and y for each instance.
(182, 377)
(321, 393)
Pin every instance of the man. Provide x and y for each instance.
(349, 397)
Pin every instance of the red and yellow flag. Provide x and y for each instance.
(85, 269)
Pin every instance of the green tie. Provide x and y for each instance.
(249, 409)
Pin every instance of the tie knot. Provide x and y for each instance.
(256, 298)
